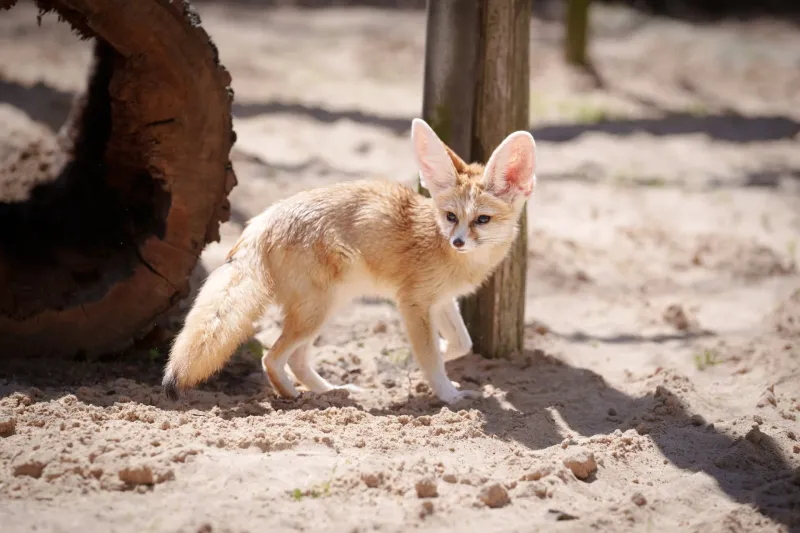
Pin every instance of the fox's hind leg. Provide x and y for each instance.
(300, 363)
(301, 324)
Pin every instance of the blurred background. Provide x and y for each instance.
(663, 235)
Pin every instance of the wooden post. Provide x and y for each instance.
(476, 93)
(495, 315)
(576, 32)
(451, 51)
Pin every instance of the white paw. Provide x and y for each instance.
(457, 396)
(353, 389)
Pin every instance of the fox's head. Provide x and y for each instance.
(477, 205)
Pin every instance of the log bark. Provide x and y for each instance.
(476, 88)
(139, 185)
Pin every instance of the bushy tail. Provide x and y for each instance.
(222, 317)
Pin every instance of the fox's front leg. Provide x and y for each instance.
(425, 347)
(456, 340)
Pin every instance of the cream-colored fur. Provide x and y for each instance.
(320, 249)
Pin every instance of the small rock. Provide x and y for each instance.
(612, 411)
(494, 496)
(768, 398)
(539, 489)
(31, 466)
(372, 480)
(758, 420)
(389, 383)
(140, 475)
(421, 388)
(537, 473)
(582, 464)
(449, 478)
(639, 499)
(675, 316)
(380, 327)
(754, 435)
(697, 420)
(8, 426)
(426, 488)
(427, 509)
(796, 449)
(642, 429)
(541, 329)
(791, 434)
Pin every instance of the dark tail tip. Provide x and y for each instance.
(170, 385)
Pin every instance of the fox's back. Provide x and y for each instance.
(347, 209)
(382, 226)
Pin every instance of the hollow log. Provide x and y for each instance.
(136, 184)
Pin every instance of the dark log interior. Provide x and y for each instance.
(124, 198)
(79, 231)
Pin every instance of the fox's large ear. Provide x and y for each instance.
(510, 173)
(437, 172)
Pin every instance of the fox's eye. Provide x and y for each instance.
(483, 219)
(452, 217)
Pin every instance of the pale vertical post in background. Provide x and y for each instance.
(451, 51)
(476, 93)
(576, 35)
(495, 315)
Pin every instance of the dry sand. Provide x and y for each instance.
(659, 389)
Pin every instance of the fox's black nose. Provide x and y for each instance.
(458, 243)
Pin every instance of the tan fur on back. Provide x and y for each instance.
(381, 231)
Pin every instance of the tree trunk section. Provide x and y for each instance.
(577, 31)
(137, 184)
(495, 314)
(476, 93)
(451, 52)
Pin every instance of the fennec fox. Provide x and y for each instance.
(317, 250)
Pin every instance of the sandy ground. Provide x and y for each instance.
(659, 389)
